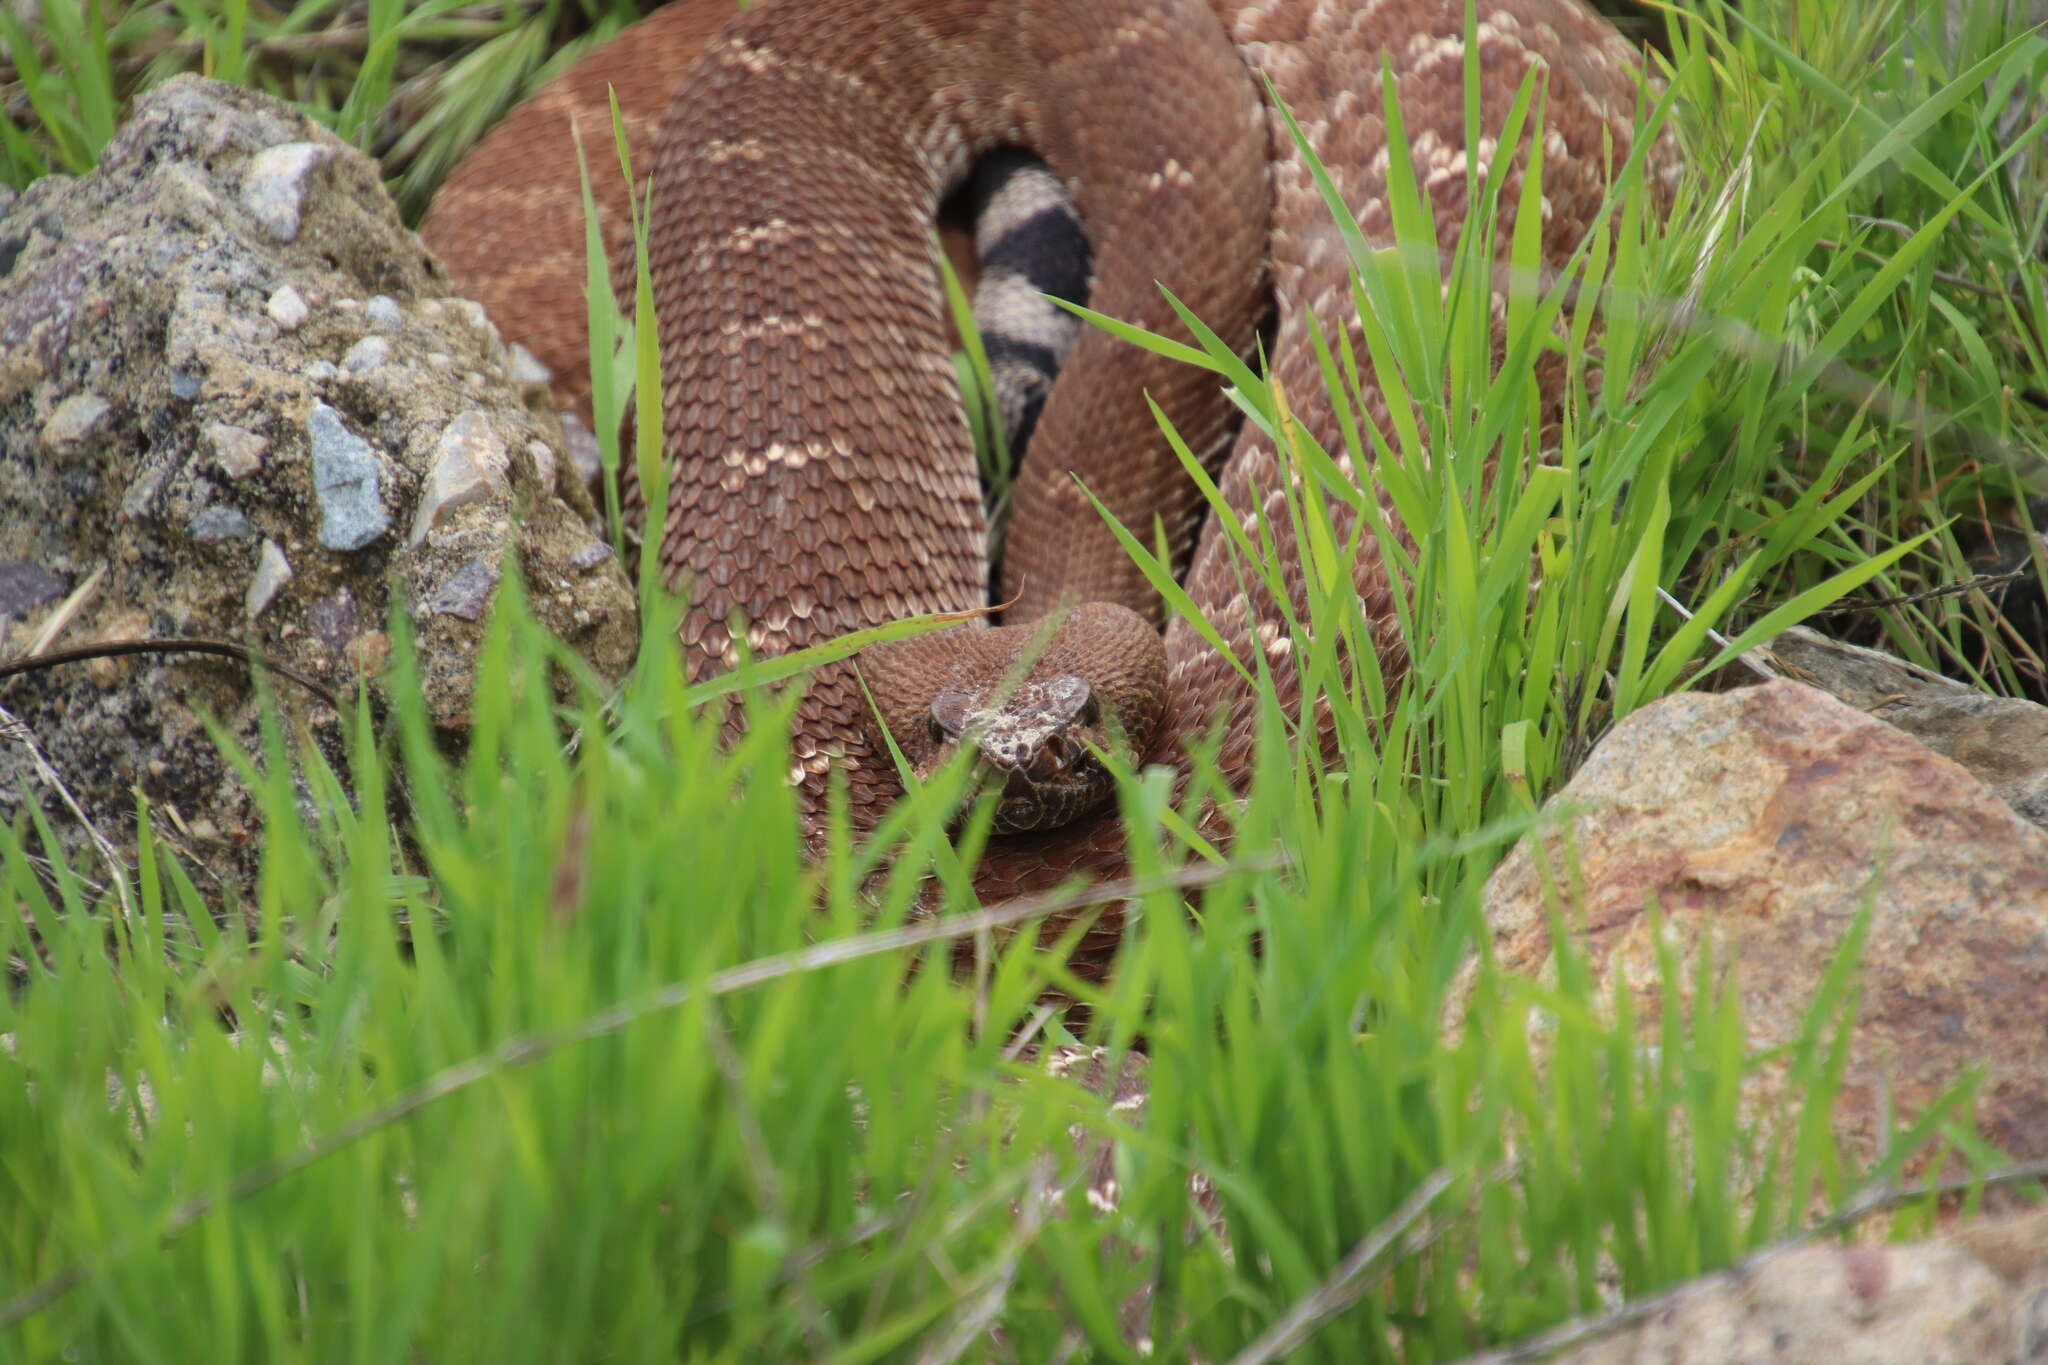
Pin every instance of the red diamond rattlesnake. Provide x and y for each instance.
(821, 472)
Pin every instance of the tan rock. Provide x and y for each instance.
(1974, 1297)
(1764, 819)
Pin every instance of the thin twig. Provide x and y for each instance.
(111, 649)
(1968, 585)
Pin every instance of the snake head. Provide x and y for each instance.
(1037, 705)
(1040, 742)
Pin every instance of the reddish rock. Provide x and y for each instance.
(1765, 818)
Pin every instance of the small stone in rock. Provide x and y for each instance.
(76, 418)
(366, 355)
(275, 189)
(219, 523)
(239, 453)
(272, 571)
(287, 308)
(345, 478)
(467, 592)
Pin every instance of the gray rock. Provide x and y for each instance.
(203, 243)
(467, 592)
(272, 572)
(275, 188)
(219, 523)
(345, 481)
(141, 496)
(76, 418)
(545, 466)
(24, 586)
(591, 555)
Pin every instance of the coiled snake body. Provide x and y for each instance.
(821, 470)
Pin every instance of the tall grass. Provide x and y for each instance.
(415, 82)
(577, 1057)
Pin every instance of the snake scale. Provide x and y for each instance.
(821, 469)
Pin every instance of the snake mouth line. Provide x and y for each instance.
(1027, 804)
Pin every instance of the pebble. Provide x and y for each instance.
(467, 592)
(275, 188)
(272, 572)
(527, 370)
(239, 453)
(366, 355)
(345, 476)
(219, 523)
(468, 462)
(76, 418)
(25, 585)
(287, 308)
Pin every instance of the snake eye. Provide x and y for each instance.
(947, 715)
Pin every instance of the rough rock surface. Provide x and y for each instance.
(1764, 819)
(235, 402)
(2003, 740)
(1976, 1296)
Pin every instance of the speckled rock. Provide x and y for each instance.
(2003, 740)
(215, 394)
(1762, 820)
(1974, 1296)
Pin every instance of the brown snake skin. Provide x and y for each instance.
(821, 471)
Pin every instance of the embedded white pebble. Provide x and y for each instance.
(469, 461)
(527, 369)
(543, 456)
(272, 572)
(383, 313)
(287, 308)
(275, 187)
(366, 355)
